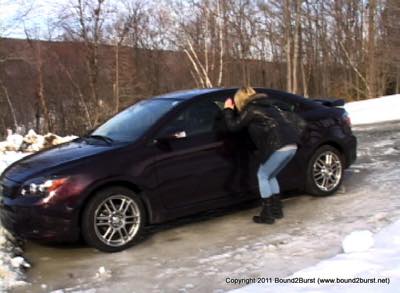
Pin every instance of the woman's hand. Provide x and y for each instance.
(229, 104)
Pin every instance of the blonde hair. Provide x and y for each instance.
(243, 96)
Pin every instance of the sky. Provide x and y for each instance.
(41, 12)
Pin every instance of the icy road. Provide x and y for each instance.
(199, 254)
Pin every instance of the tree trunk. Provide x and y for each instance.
(304, 80)
(296, 46)
(116, 83)
(371, 67)
(10, 104)
(221, 44)
(40, 89)
(288, 45)
(79, 92)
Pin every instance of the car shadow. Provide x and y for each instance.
(206, 216)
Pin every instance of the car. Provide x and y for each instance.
(163, 158)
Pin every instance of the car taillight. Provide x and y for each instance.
(346, 119)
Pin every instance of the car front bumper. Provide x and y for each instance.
(28, 218)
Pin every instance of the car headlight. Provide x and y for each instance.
(42, 186)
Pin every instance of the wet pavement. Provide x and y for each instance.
(198, 254)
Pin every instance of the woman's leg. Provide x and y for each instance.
(268, 185)
(279, 160)
(266, 179)
(285, 159)
(273, 183)
(265, 216)
(263, 181)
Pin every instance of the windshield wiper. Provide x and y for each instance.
(106, 139)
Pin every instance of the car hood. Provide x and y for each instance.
(46, 160)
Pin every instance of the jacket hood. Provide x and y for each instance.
(256, 99)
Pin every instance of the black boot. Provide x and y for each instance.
(277, 211)
(265, 216)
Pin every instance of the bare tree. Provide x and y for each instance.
(371, 49)
(6, 26)
(202, 40)
(83, 20)
(40, 90)
(127, 28)
(10, 104)
(288, 46)
(110, 54)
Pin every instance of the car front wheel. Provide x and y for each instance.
(325, 171)
(113, 219)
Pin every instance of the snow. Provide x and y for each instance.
(12, 264)
(358, 241)
(7, 158)
(102, 273)
(381, 109)
(378, 263)
(32, 142)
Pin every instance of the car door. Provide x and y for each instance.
(196, 158)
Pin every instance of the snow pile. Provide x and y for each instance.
(7, 158)
(102, 273)
(374, 110)
(358, 241)
(12, 143)
(12, 264)
(32, 142)
(376, 269)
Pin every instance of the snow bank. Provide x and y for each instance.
(348, 272)
(7, 158)
(374, 110)
(358, 241)
(32, 142)
(12, 264)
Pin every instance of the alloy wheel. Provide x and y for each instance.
(117, 220)
(327, 171)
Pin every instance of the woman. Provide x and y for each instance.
(275, 138)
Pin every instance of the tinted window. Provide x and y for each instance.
(286, 102)
(199, 118)
(133, 122)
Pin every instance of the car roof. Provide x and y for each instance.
(193, 93)
(188, 94)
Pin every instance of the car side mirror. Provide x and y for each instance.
(165, 140)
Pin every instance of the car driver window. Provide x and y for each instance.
(198, 118)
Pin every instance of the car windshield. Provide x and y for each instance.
(133, 122)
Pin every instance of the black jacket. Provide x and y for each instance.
(267, 126)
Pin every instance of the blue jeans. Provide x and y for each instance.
(268, 171)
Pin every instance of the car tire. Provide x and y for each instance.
(113, 219)
(325, 171)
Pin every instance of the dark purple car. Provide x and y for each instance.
(163, 158)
